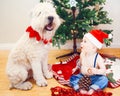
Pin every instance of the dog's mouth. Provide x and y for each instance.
(49, 26)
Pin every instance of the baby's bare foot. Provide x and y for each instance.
(90, 92)
(83, 91)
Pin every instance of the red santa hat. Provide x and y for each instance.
(97, 37)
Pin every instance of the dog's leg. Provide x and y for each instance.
(37, 73)
(17, 77)
(45, 69)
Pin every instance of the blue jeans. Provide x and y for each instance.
(97, 81)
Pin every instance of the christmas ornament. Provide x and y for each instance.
(85, 83)
(72, 3)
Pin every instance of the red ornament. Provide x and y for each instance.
(45, 41)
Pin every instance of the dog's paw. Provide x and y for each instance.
(41, 82)
(27, 86)
(23, 86)
(48, 75)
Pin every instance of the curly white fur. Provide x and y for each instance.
(28, 55)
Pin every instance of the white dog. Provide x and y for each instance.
(31, 51)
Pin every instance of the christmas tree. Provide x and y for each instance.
(88, 15)
(79, 17)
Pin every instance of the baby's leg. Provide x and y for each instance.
(74, 81)
(99, 82)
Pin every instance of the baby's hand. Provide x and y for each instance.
(92, 71)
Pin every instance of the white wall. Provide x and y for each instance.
(113, 9)
(14, 19)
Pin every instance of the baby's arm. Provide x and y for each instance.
(83, 67)
(101, 67)
(77, 66)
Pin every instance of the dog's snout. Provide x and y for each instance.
(50, 18)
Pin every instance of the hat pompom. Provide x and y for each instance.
(110, 36)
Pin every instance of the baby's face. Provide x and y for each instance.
(86, 45)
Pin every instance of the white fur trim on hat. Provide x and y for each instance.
(94, 40)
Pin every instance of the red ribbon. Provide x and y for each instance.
(35, 34)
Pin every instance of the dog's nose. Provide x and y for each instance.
(50, 18)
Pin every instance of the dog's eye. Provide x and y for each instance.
(39, 13)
